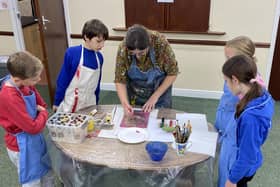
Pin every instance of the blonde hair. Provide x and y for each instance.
(24, 65)
(242, 45)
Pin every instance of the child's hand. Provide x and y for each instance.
(229, 184)
(54, 108)
(40, 108)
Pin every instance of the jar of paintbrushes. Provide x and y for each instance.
(181, 137)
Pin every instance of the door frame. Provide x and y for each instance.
(67, 21)
(273, 42)
(16, 22)
(19, 38)
(17, 28)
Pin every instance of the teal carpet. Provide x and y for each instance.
(267, 176)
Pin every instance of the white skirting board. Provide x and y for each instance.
(205, 94)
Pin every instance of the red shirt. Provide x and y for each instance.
(14, 117)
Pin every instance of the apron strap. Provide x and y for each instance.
(75, 100)
(15, 86)
(77, 74)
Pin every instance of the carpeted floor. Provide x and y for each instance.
(267, 176)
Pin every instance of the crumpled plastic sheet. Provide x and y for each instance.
(75, 173)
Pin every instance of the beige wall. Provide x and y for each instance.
(200, 66)
(7, 43)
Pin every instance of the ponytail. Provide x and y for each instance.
(245, 70)
(254, 92)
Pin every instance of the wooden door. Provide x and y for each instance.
(32, 41)
(146, 12)
(188, 15)
(274, 86)
(50, 14)
(180, 15)
(31, 32)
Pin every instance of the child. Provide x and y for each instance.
(23, 115)
(253, 116)
(225, 122)
(78, 84)
(241, 45)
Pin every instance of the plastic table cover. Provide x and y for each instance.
(109, 162)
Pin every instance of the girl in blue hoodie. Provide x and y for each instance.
(225, 122)
(253, 117)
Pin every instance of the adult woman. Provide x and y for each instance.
(145, 70)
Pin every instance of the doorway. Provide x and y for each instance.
(274, 86)
(45, 36)
(31, 32)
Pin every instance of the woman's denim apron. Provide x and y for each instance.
(34, 161)
(141, 85)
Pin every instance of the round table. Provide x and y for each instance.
(95, 155)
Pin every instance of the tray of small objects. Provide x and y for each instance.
(102, 120)
(68, 127)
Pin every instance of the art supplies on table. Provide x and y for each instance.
(182, 134)
(168, 125)
(68, 127)
(102, 120)
(139, 119)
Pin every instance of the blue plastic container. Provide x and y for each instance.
(156, 150)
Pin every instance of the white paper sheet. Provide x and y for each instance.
(107, 134)
(203, 142)
(198, 121)
(156, 133)
(117, 118)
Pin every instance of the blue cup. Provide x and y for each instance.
(156, 150)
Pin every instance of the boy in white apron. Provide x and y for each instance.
(23, 115)
(78, 83)
(78, 86)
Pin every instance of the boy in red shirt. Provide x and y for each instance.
(23, 115)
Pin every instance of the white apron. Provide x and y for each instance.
(81, 90)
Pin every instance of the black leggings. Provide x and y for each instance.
(243, 181)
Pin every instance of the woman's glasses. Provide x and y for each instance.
(138, 52)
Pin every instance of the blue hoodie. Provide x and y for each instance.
(253, 126)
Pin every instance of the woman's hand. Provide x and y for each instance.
(121, 90)
(128, 110)
(167, 82)
(150, 104)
